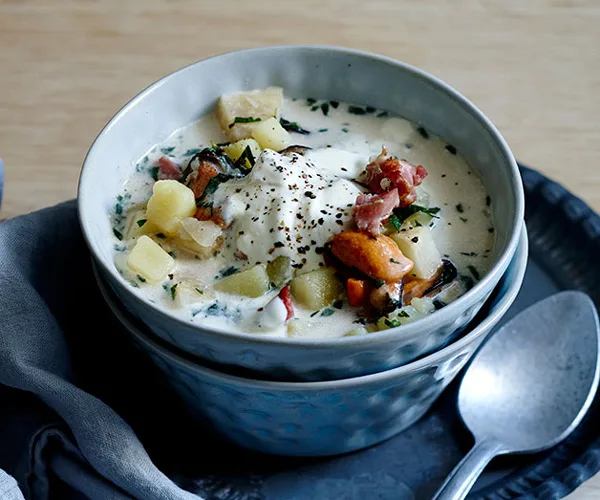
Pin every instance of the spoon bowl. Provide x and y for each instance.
(529, 385)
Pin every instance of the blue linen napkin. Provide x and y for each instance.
(71, 390)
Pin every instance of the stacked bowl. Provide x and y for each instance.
(307, 396)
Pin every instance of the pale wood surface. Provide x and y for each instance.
(66, 66)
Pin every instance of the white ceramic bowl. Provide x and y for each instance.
(321, 418)
(320, 72)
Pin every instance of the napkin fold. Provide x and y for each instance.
(72, 389)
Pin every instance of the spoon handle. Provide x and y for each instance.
(460, 481)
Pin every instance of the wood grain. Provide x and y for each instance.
(67, 66)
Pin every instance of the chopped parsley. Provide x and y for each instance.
(403, 314)
(423, 132)
(459, 208)
(464, 219)
(310, 101)
(451, 149)
(405, 212)
(192, 152)
(118, 208)
(293, 127)
(199, 291)
(153, 171)
(228, 271)
(166, 151)
(323, 130)
(394, 261)
(356, 110)
(392, 323)
(345, 130)
(395, 221)
(325, 108)
(218, 309)
(173, 290)
(327, 312)
(213, 184)
(244, 119)
(246, 155)
(141, 278)
(141, 222)
(118, 234)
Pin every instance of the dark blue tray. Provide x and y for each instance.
(564, 238)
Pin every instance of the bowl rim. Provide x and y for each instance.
(442, 315)
(486, 326)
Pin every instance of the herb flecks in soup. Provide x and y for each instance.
(302, 218)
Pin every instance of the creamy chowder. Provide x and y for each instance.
(302, 218)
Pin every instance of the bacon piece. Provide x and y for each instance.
(211, 214)
(198, 180)
(168, 170)
(387, 172)
(371, 210)
(286, 298)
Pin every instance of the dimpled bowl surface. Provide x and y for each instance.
(322, 418)
(319, 72)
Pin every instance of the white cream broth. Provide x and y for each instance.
(311, 198)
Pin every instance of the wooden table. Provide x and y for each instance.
(66, 66)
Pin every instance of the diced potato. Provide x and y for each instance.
(189, 292)
(253, 282)
(203, 232)
(202, 238)
(185, 242)
(259, 103)
(270, 134)
(170, 203)
(453, 291)
(361, 330)
(423, 305)
(149, 260)
(235, 150)
(280, 270)
(402, 316)
(417, 219)
(418, 245)
(140, 225)
(316, 289)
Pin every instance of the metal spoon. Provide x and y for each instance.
(529, 385)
